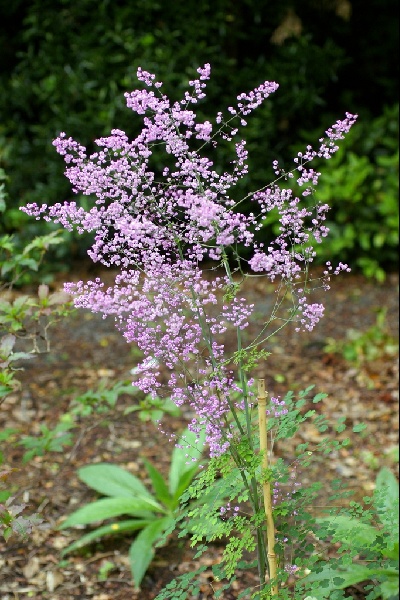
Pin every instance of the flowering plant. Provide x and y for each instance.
(164, 229)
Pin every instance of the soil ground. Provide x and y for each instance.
(87, 349)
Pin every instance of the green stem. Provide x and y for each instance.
(242, 377)
(253, 490)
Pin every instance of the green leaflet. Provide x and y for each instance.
(351, 529)
(340, 579)
(386, 498)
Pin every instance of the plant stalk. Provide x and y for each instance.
(262, 421)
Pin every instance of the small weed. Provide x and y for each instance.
(361, 347)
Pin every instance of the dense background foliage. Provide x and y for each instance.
(65, 65)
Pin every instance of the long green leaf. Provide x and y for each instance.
(111, 529)
(142, 550)
(108, 508)
(159, 485)
(183, 483)
(111, 480)
(181, 457)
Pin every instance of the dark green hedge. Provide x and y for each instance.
(65, 65)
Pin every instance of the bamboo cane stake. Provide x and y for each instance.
(262, 421)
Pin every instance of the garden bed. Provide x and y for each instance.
(87, 349)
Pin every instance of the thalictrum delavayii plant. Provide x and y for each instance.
(161, 226)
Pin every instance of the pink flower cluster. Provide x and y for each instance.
(277, 408)
(228, 511)
(158, 225)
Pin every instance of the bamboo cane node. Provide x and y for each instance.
(261, 393)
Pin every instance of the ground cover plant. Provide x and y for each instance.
(370, 534)
(166, 230)
(361, 347)
(152, 514)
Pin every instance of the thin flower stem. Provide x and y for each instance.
(261, 549)
(243, 381)
(206, 337)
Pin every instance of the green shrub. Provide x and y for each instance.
(362, 187)
(65, 67)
